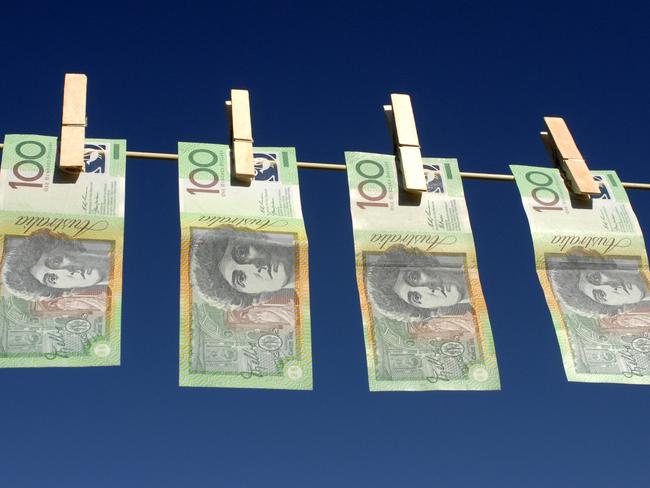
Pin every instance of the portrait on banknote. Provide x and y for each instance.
(46, 266)
(56, 295)
(232, 269)
(425, 327)
(605, 307)
(410, 285)
(244, 318)
(594, 285)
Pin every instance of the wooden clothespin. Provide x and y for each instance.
(238, 111)
(565, 154)
(401, 124)
(73, 123)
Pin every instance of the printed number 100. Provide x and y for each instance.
(203, 168)
(371, 171)
(29, 157)
(543, 194)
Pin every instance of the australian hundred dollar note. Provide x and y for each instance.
(425, 320)
(61, 241)
(245, 319)
(593, 268)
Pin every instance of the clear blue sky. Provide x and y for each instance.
(481, 79)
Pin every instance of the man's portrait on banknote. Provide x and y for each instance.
(410, 285)
(233, 269)
(46, 265)
(594, 285)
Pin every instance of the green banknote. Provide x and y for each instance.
(425, 321)
(244, 280)
(593, 267)
(61, 239)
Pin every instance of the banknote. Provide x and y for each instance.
(244, 280)
(593, 267)
(425, 320)
(61, 239)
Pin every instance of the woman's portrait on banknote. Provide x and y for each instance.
(47, 265)
(410, 285)
(594, 285)
(232, 269)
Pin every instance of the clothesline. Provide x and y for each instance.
(342, 167)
